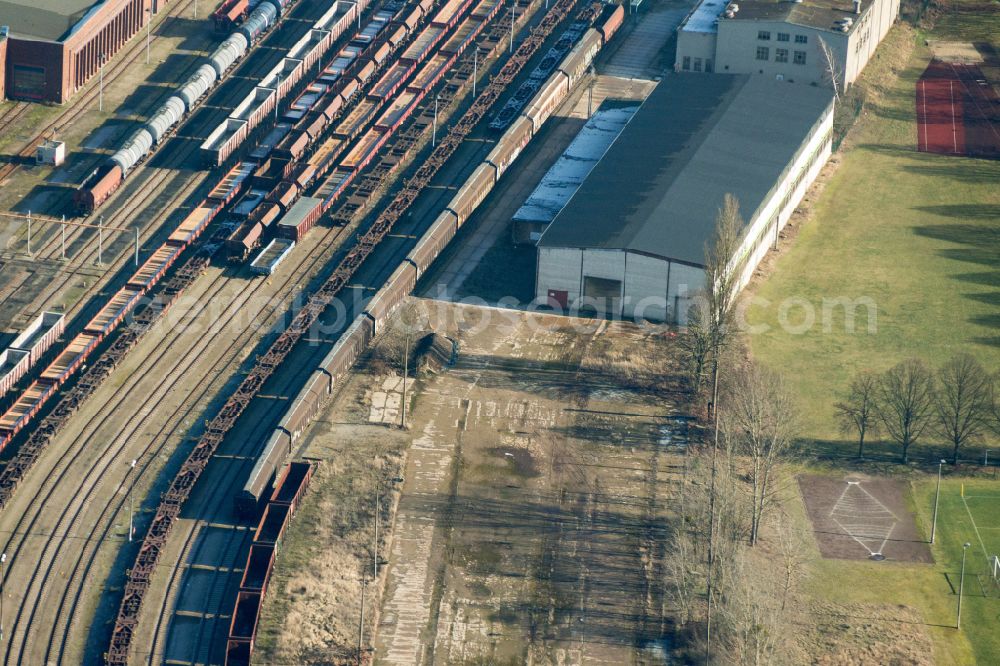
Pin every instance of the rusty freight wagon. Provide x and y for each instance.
(300, 218)
(39, 336)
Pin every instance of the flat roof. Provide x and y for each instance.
(696, 138)
(44, 19)
(564, 177)
(818, 14)
(703, 17)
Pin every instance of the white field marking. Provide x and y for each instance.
(975, 527)
(954, 128)
(865, 518)
(989, 497)
(923, 96)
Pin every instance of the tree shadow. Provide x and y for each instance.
(963, 212)
(968, 171)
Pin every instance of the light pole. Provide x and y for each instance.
(434, 137)
(513, 19)
(937, 497)
(361, 623)
(475, 69)
(3, 558)
(961, 585)
(149, 21)
(100, 93)
(131, 484)
(100, 241)
(406, 371)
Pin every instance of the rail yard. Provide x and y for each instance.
(307, 146)
(409, 332)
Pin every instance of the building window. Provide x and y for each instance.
(800, 57)
(780, 55)
(762, 53)
(687, 63)
(764, 34)
(801, 39)
(697, 64)
(708, 65)
(783, 36)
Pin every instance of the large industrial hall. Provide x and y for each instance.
(51, 48)
(631, 240)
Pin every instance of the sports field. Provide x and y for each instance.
(958, 112)
(974, 519)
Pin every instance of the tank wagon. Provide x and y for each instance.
(103, 181)
(276, 85)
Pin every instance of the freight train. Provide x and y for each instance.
(294, 224)
(73, 356)
(281, 505)
(352, 343)
(389, 92)
(103, 181)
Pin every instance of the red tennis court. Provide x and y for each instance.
(958, 111)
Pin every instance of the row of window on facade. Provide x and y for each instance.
(781, 55)
(765, 35)
(696, 66)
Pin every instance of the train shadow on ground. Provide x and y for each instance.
(142, 101)
(188, 29)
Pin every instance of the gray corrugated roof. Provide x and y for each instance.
(44, 19)
(695, 138)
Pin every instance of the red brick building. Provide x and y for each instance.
(55, 46)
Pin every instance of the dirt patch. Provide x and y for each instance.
(960, 52)
(537, 485)
(520, 461)
(857, 517)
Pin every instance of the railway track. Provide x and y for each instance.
(148, 181)
(102, 489)
(42, 591)
(213, 499)
(15, 113)
(133, 49)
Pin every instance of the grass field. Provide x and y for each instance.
(972, 520)
(917, 234)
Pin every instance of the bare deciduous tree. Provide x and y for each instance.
(905, 403)
(721, 276)
(963, 401)
(793, 560)
(856, 413)
(995, 402)
(682, 573)
(752, 619)
(696, 345)
(831, 70)
(760, 421)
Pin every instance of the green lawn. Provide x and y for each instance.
(981, 600)
(917, 235)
